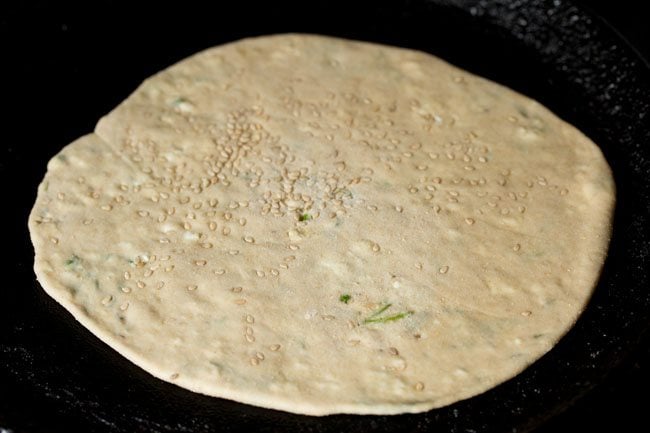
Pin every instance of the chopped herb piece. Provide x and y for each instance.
(304, 217)
(345, 298)
(375, 317)
(385, 319)
(72, 261)
(178, 101)
(381, 310)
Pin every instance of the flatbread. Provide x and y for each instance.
(320, 226)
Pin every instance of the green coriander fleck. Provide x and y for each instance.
(178, 101)
(381, 310)
(385, 319)
(74, 260)
(377, 318)
(345, 298)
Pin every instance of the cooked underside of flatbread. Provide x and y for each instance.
(319, 226)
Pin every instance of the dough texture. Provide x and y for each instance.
(323, 226)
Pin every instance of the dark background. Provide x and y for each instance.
(617, 404)
(621, 402)
(629, 17)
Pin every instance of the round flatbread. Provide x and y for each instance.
(320, 226)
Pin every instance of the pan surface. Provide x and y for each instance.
(71, 64)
